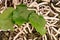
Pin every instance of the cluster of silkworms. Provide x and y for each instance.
(50, 16)
(8, 3)
(23, 30)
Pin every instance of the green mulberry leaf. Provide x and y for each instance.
(5, 21)
(38, 22)
(21, 14)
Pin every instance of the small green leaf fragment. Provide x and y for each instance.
(38, 22)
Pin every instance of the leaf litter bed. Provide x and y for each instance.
(53, 31)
